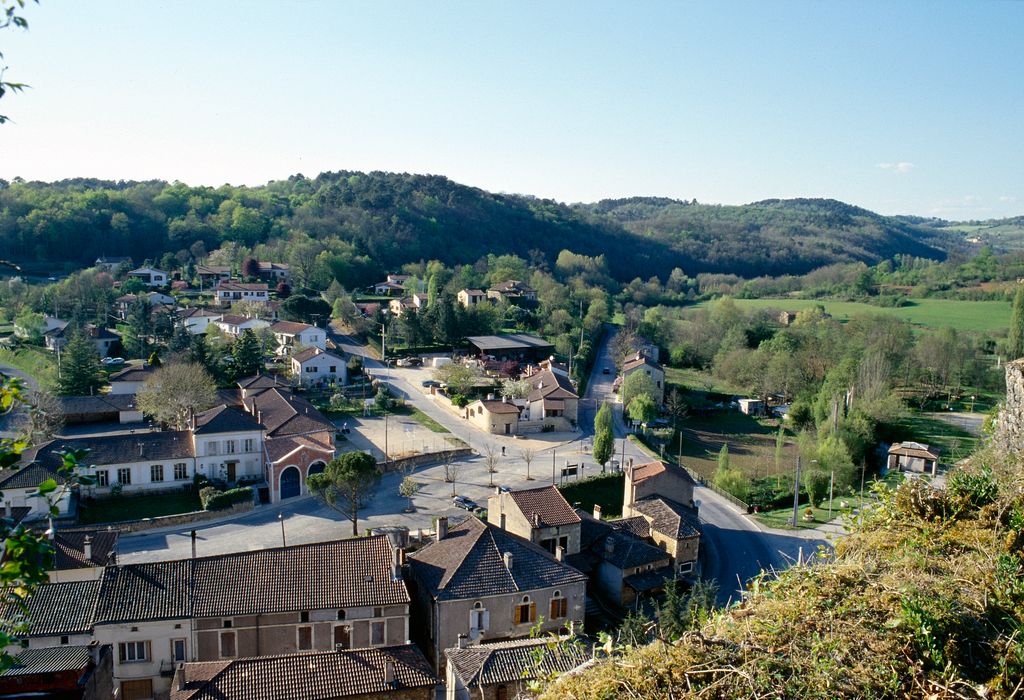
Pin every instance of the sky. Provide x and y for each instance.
(900, 107)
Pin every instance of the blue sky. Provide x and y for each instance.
(900, 107)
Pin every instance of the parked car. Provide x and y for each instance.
(504, 489)
(430, 383)
(112, 361)
(606, 370)
(463, 502)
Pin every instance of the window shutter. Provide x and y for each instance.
(485, 620)
(533, 611)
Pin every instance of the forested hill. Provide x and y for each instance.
(389, 219)
(774, 236)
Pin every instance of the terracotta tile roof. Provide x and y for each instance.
(235, 320)
(310, 353)
(646, 471)
(116, 449)
(51, 660)
(228, 286)
(282, 579)
(285, 414)
(264, 265)
(30, 476)
(102, 404)
(669, 517)
(550, 385)
(311, 676)
(213, 269)
(547, 504)
(135, 373)
(514, 661)
(58, 609)
(279, 448)
(469, 563)
(494, 406)
(913, 449)
(290, 327)
(225, 419)
(512, 287)
(640, 361)
(69, 548)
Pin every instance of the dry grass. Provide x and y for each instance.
(924, 600)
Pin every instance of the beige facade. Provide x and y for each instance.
(145, 654)
(495, 417)
(503, 511)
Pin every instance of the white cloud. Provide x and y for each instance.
(1007, 199)
(901, 167)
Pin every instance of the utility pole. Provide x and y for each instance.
(831, 484)
(280, 519)
(552, 466)
(796, 492)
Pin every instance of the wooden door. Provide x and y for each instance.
(137, 690)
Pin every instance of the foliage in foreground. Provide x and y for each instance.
(924, 599)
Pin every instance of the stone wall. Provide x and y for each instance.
(175, 520)
(395, 465)
(1009, 433)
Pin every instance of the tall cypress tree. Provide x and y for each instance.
(1016, 338)
(80, 370)
(247, 354)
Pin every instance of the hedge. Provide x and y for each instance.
(214, 499)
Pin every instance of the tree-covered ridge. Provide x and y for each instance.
(379, 221)
(774, 236)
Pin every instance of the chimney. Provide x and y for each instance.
(389, 672)
(193, 544)
(87, 548)
(504, 399)
(559, 553)
(490, 397)
(442, 527)
(597, 511)
(396, 564)
(140, 450)
(536, 519)
(180, 675)
(94, 652)
(508, 560)
(609, 547)
(501, 522)
(259, 415)
(462, 641)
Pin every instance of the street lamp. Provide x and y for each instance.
(280, 519)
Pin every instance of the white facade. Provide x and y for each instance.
(230, 456)
(322, 366)
(30, 498)
(236, 328)
(311, 337)
(150, 276)
(144, 475)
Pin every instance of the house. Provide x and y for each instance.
(471, 297)
(787, 318)
(316, 597)
(504, 670)
(646, 347)
(553, 401)
(750, 407)
(498, 417)
(196, 320)
(316, 366)
(60, 673)
(212, 275)
(49, 323)
(644, 364)
(276, 272)
(399, 672)
(80, 555)
(484, 582)
(299, 440)
(57, 614)
(110, 264)
(20, 489)
(540, 515)
(130, 379)
(150, 276)
(235, 325)
(228, 444)
(101, 408)
(290, 335)
(513, 291)
(394, 284)
(662, 494)
(913, 457)
(229, 292)
(782, 411)
(102, 338)
(398, 306)
(519, 347)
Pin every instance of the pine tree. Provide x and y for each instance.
(247, 354)
(1016, 337)
(80, 370)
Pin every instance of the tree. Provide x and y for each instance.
(676, 406)
(9, 17)
(346, 484)
(283, 289)
(451, 468)
(247, 354)
(176, 392)
(140, 327)
(642, 409)
(181, 340)
(723, 457)
(491, 457)
(459, 378)
(409, 488)
(80, 370)
(515, 388)
(154, 359)
(528, 453)
(1015, 340)
(636, 384)
(42, 417)
(604, 437)
(250, 267)
(780, 446)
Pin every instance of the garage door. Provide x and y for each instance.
(290, 479)
(137, 690)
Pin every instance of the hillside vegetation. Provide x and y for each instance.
(924, 600)
(389, 219)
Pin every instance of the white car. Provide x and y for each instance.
(112, 361)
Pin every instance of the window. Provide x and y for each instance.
(180, 471)
(559, 606)
(229, 447)
(211, 447)
(479, 620)
(311, 368)
(102, 477)
(341, 614)
(124, 475)
(342, 638)
(248, 445)
(526, 611)
(156, 472)
(227, 644)
(305, 638)
(376, 633)
(378, 612)
(304, 616)
(132, 652)
(65, 639)
(178, 650)
(685, 567)
(227, 624)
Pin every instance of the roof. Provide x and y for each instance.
(473, 292)
(229, 286)
(281, 579)
(225, 419)
(469, 563)
(548, 385)
(236, 320)
(639, 361)
(669, 517)
(546, 503)
(290, 327)
(213, 269)
(30, 476)
(145, 270)
(495, 406)
(311, 676)
(512, 341)
(58, 609)
(281, 447)
(115, 449)
(650, 580)
(89, 331)
(636, 526)
(134, 373)
(69, 548)
(193, 311)
(512, 287)
(651, 469)
(52, 660)
(517, 660)
(285, 414)
(628, 551)
(272, 265)
(102, 403)
(310, 353)
(913, 449)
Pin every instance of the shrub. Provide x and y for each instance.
(218, 500)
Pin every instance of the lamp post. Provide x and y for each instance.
(280, 519)
(796, 492)
(831, 484)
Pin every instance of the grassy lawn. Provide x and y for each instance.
(954, 442)
(111, 510)
(782, 517)
(695, 379)
(426, 421)
(603, 489)
(751, 444)
(34, 361)
(984, 316)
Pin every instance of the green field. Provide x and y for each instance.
(983, 316)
